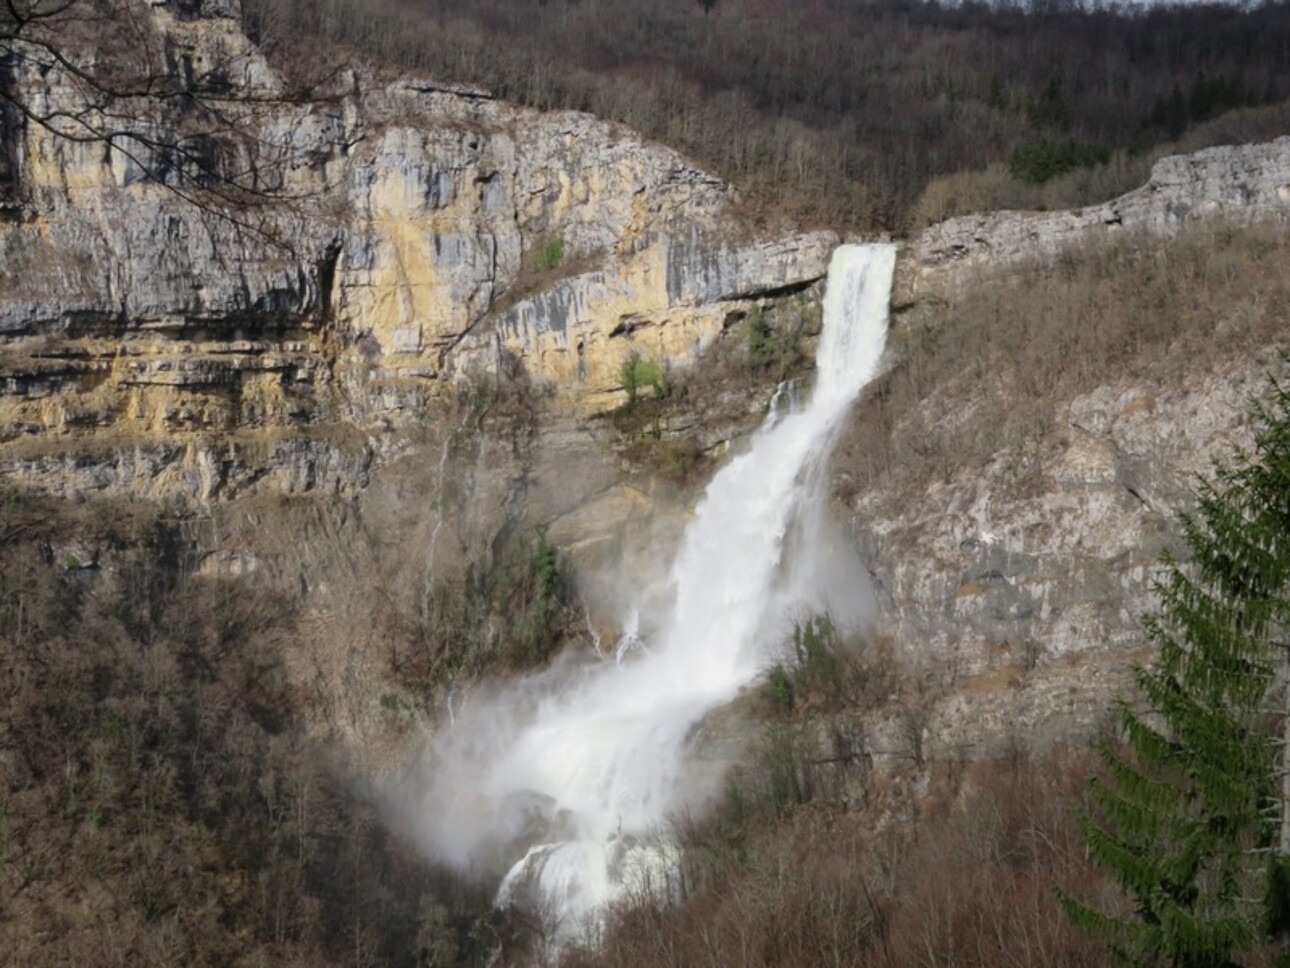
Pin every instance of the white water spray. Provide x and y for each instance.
(584, 764)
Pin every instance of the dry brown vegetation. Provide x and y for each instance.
(1007, 352)
(842, 113)
(993, 188)
(811, 858)
(159, 804)
(783, 882)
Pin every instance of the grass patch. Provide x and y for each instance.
(548, 253)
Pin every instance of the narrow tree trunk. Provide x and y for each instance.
(1284, 842)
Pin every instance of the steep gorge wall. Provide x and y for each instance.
(163, 347)
(1041, 471)
(419, 234)
(1012, 584)
(1012, 589)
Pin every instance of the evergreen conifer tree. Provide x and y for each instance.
(1191, 819)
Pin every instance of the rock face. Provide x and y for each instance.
(1013, 591)
(667, 301)
(408, 232)
(1239, 184)
(167, 331)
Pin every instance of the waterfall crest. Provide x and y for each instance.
(591, 762)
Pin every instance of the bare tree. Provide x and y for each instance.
(119, 74)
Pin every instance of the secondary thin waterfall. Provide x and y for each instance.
(584, 764)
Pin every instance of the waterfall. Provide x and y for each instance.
(584, 765)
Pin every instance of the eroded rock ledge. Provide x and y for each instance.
(424, 234)
(422, 230)
(1238, 184)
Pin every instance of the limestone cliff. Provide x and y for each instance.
(408, 232)
(1013, 591)
(1235, 184)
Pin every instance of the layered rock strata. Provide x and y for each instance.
(1236, 184)
(386, 234)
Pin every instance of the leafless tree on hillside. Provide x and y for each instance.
(185, 116)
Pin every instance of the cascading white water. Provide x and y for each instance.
(586, 766)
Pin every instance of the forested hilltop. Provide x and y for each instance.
(869, 115)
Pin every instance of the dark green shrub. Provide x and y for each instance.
(779, 688)
(1044, 160)
(776, 350)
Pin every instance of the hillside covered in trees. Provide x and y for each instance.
(872, 115)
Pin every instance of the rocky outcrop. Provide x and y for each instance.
(666, 302)
(369, 247)
(1237, 184)
(363, 245)
(1012, 592)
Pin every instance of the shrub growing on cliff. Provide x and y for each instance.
(1188, 822)
(638, 372)
(776, 350)
(529, 597)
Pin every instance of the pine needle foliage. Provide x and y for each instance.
(1187, 819)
